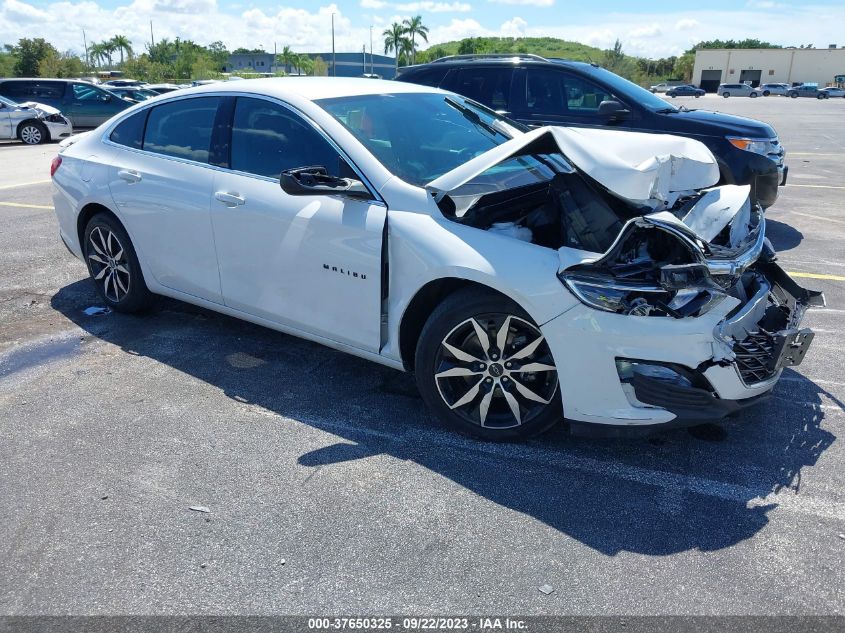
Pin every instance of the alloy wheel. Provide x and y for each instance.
(495, 371)
(31, 135)
(109, 266)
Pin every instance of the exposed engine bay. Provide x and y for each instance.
(664, 243)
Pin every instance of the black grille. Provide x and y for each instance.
(756, 356)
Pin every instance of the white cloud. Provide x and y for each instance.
(652, 30)
(533, 3)
(515, 27)
(422, 6)
(685, 24)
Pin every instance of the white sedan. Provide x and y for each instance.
(521, 275)
(32, 123)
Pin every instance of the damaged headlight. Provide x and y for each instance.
(55, 118)
(636, 299)
(612, 296)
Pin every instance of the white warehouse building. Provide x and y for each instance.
(824, 66)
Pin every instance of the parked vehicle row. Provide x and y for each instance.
(536, 91)
(519, 273)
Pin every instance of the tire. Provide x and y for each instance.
(485, 396)
(33, 133)
(820, 96)
(793, 95)
(766, 93)
(753, 95)
(726, 94)
(113, 265)
(697, 96)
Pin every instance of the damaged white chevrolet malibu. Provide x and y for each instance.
(522, 275)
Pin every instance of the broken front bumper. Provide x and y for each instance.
(727, 359)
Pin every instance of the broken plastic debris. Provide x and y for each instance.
(199, 509)
(96, 311)
(283, 561)
(842, 536)
(104, 497)
(547, 589)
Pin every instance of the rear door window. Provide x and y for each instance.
(490, 86)
(268, 138)
(553, 93)
(182, 128)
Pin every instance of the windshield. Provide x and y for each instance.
(421, 136)
(631, 91)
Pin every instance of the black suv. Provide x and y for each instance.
(539, 91)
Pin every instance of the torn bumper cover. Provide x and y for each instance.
(684, 316)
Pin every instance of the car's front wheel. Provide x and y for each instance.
(793, 95)
(33, 133)
(484, 368)
(726, 94)
(766, 93)
(114, 266)
(753, 95)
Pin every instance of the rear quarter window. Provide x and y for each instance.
(130, 131)
(426, 77)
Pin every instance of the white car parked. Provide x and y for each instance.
(520, 274)
(32, 123)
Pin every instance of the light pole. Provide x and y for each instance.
(371, 49)
(334, 60)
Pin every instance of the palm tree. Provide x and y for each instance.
(414, 27)
(97, 54)
(122, 44)
(288, 58)
(108, 49)
(393, 38)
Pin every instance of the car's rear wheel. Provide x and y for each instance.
(484, 368)
(114, 266)
(766, 93)
(726, 94)
(793, 95)
(33, 133)
(753, 95)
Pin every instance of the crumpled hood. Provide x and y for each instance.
(645, 169)
(42, 108)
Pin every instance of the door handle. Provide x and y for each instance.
(229, 199)
(129, 175)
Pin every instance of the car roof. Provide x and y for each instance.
(500, 60)
(311, 88)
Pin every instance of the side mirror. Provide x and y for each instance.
(614, 110)
(315, 180)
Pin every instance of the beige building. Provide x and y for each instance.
(768, 65)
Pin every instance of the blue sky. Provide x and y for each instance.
(650, 28)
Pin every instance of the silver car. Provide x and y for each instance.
(738, 90)
(32, 123)
(774, 89)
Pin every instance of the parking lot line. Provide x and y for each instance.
(25, 184)
(816, 186)
(26, 206)
(816, 276)
(818, 217)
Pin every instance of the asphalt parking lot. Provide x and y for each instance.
(331, 491)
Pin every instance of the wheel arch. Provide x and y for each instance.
(424, 302)
(86, 213)
(25, 121)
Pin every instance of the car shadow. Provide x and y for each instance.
(674, 492)
(782, 236)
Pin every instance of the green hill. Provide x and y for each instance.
(544, 46)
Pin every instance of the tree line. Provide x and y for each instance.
(181, 60)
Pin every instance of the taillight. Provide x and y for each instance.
(57, 161)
